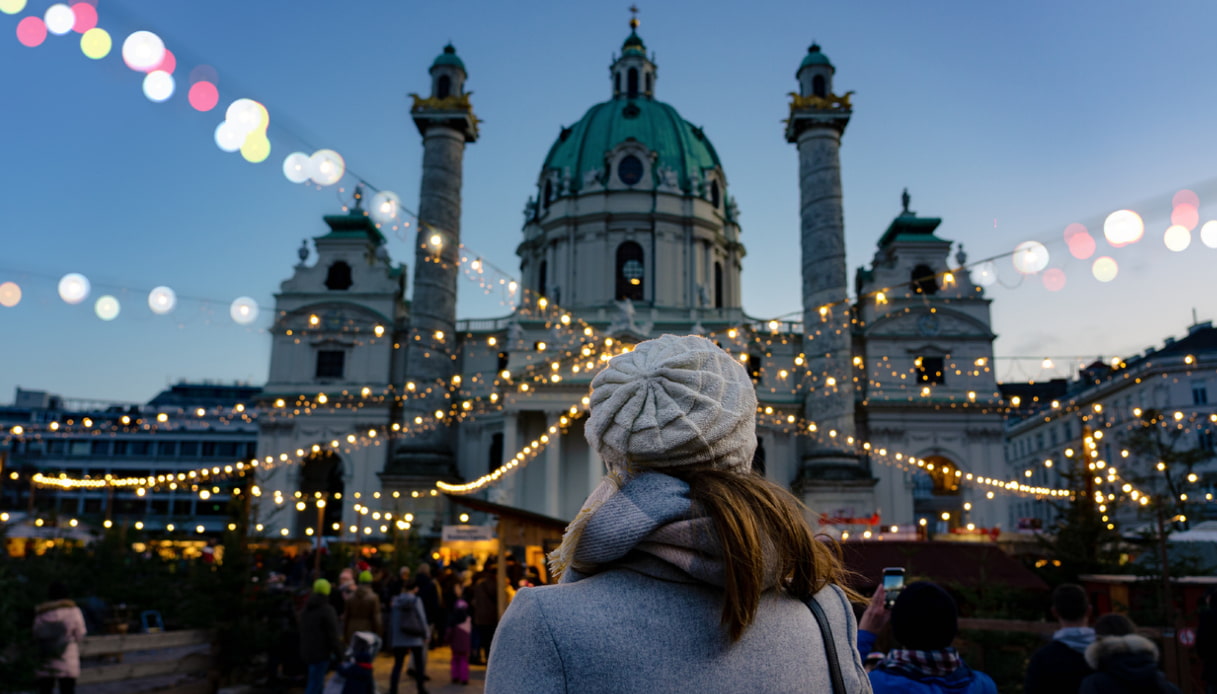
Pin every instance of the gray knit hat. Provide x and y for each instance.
(673, 402)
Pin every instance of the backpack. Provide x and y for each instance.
(409, 622)
(50, 638)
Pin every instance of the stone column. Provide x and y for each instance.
(553, 466)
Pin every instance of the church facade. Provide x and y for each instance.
(879, 409)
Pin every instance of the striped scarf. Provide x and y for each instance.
(936, 663)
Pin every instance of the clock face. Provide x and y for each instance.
(928, 324)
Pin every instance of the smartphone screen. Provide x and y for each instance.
(893, 582)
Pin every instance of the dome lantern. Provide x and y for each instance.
(633, 74)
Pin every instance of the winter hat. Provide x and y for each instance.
(924, 617)
(321, 586)
(673, 402)
(365, 576)
(670, 403)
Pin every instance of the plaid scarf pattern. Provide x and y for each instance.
(937, 663)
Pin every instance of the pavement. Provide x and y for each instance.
(438, 663)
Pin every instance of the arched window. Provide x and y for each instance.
(714, 194)
(616, 84)
(923, 280)
(542, 271)
(631, 80)
(443, 87)
(549, 193)
(818, 87)
(496, 452)
(630, 272)
(718, 285)
(322, 472)
(648, 83)
(338, 277)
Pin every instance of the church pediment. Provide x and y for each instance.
(943, 322)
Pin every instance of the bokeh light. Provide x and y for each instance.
(1185, 197)
(168, 63)
(1054, 279)
(246, 115)
(96, 43)
(1208, 233)
(73, 288)
(11, 6)
(244, 310)
(158, 86)
(1123, 227)
(385, 206)
(1030, 257)
(295, 167)
(256, 147)
(31, 31)
(143, 50)
(1081, 244)
(86, 17)
(59, 19)
(1177, 238)
(162, 300)
(107, 307)
(204, 73)
(10, 294)
(228, 136)
(326, 167)
(203, 96)
(1186, 216)
(985, 274)
(1104, 269)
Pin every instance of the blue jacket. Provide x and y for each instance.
(964, 680)
(633, 628)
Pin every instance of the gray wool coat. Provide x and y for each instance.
(641, 627)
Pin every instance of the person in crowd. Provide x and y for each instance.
(1060, 667)
(357, 672)
(362, 609)
(345, 589)
(320, 641)
(407, 609)
(428, 592)
(1123, 660)
(684, 571)
(515, 571)
(872, 659)
(59, 627)
(459, 638)
(924, 622)
(1206, 640)
(485, 606)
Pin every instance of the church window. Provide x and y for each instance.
(718, 285)
(818, 87)
(631, 80)
(443, 87)
(496, 452)
(930, 370)
(630, 271)
(715, 196)
(923, 280)
(629, 169)
(549, 193)
(330, 363)
(1200, 393)
(321, 473)
(338, 277)
(648, 83)
(502, 362)
(542, 271)
(617, 84)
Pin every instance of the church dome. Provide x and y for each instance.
(678, 145)
(814, 57)
(449, 57)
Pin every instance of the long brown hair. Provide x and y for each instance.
(753, 516)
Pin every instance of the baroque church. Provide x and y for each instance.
(880, 411)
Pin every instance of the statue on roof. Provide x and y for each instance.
(904, 200)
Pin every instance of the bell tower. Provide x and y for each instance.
(446, 122)
(833, 478)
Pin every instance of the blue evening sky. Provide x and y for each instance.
(1008, 120)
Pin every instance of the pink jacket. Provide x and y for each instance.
(66, 611)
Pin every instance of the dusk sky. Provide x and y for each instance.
(1011, 121)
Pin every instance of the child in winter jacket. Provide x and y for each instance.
(459, 636)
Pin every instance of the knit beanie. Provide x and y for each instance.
(924, 617)
(365, 576)
(321, 587)
(670, 403)
(673, 402)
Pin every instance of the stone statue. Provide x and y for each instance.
(592, 179)
(669, 179)
(703, 297)
(515, 334)
(530, 209)
(904, 200)
(302, 253)
(961, 257)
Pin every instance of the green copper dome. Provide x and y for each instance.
(815, 57)
(448, 57)
(680, 145)
(633, 44)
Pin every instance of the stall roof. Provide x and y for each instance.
(509, 512)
